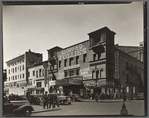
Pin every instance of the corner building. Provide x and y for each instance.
(87, 67)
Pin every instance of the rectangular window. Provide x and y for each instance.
(65, 62)
(77, 59)
(13, 70)
(84, 58)
(16, 77)
(97, 73)
(23, 75)
(9, 78)
(70, 61)
(9, 71)
(38, 84)
(20, 68)
(127, 89)
(20, 76)
(65, 73)
(94, 57)
(71, 73)
(23, 67)
(39, 72)
(59, 64)
(33, 73)
(77, 72)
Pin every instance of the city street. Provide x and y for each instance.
(135, 108)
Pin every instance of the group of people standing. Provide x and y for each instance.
(50, 100)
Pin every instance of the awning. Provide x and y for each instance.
(61, 82)
(74, 81)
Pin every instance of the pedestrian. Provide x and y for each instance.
(51, 101)
(45, 100)
(56, 100)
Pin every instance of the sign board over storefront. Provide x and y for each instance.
(74, 81)
(61, 82)
(52, 83)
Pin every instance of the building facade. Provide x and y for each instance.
(17, 72)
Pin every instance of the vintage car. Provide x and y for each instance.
(17, 108)
(75, 98)
(63, 99)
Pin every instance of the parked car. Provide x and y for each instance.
(64, 99)
(17, 108)
(34, 100)
(75, 97)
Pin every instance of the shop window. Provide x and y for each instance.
(84, 58)
(59, 64)
(38, 84)
(77, 59)
(70, 61)
(65, 62)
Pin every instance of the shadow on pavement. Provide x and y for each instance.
(46, 110)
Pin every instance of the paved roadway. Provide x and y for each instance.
(90, 108)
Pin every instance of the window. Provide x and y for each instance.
(9, 71)
(65, 62)
(23, 67)
(16, 77)
(38, 84)
(13, 70)
(94, 57)
(59, 64)
(99, 55)
(84, 57)
(97, 73)
(127, 89)
(77, 72)
(77, 59)
(9, 78)
(23, 75)
(66, 73)
(71, 73)
(20, 76)
(70, 61)
(39, 72)
(33, 73)
(20, 68)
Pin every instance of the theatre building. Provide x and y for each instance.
(90, 67)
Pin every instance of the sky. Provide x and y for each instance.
(41, 27)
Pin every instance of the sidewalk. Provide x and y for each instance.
(102, 101)
(38, 108)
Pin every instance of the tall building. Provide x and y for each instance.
(17, 71)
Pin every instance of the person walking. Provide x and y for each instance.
(45, 100)
(51, 101)
(56, 100)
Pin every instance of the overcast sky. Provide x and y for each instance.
(41, 27)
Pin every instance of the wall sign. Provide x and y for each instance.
(72, 52)
(117, 65)
(71, 67)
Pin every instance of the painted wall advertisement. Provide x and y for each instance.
(72, 51)
(85, 73)
(116, 65)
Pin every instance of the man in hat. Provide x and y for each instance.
(45, 100)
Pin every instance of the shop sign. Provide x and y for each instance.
(51, 83)
(61, 82)
(90, 83)
(74, 81)
(101, 82)
(116, 65)
(85, 72)
(71, 67)
(72, 52)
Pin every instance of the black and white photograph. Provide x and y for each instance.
(74, 58)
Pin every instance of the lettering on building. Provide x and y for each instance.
(72, 52)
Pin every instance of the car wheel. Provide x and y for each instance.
(27, 112)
